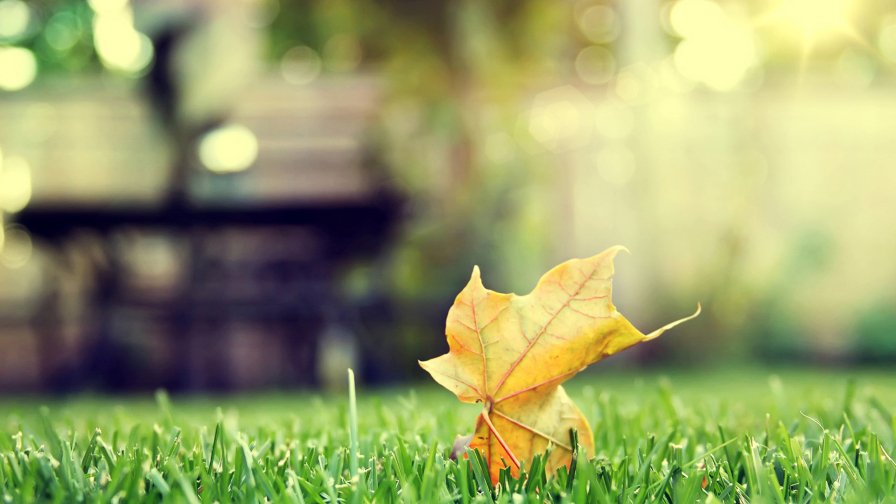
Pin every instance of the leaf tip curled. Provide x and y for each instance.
(670, 325)
(619, 248)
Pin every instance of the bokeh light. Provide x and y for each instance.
(18, 68)
(62, 31)
(102, 7)
(716, 49)
(691, 18)
(636, 83)
(300, 65)
(264, 12)
(15, 18)
(16, 247)
(599, 23)
(15, 184)
(595, 65)
(119, 46)
(228, 149)
(561, 118)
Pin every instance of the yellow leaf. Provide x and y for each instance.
(511, 353)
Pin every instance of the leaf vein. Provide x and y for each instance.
(461, 344)
(537, 385)
(533, 430)
(541, 331)
(482, 351)
(463, 382)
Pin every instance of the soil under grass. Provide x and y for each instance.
(731, 436)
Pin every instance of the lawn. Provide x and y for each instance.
(731, 436)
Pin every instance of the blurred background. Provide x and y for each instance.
(243, 194)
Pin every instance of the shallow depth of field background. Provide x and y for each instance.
(227, 195)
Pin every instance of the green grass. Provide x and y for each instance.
(729, 436)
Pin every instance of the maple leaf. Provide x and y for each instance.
(511, 353)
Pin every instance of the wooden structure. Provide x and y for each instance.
(244, 261)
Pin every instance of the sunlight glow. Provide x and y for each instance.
(814, 22)
(816, 18)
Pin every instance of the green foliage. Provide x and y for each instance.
(875, 333)
(721, 437)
